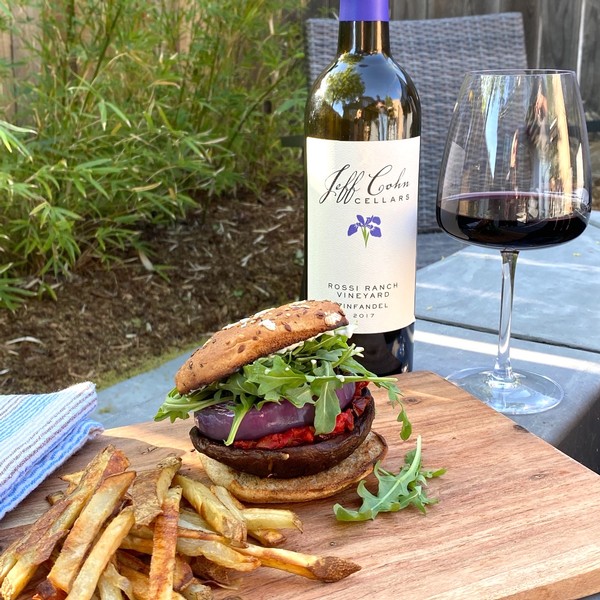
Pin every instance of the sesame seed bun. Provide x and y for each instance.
(243, 342)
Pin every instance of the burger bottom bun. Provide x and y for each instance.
(250, 488)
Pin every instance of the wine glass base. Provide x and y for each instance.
(527, 394)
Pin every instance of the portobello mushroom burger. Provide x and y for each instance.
(281, 405)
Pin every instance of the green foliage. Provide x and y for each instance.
(129, 113)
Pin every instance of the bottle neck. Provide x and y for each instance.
(364, 27)
(364, 37)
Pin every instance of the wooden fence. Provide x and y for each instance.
(559, 33)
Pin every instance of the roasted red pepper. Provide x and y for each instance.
(296, 436)
(359, 387)
(343, 422)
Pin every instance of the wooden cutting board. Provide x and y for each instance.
(516, 517)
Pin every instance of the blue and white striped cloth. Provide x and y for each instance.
(38, 432)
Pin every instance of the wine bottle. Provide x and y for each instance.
(362, 129)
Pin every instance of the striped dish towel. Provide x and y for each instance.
(38, 432)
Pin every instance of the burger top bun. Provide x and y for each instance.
(265, 332)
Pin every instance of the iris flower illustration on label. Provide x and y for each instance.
(368, 227)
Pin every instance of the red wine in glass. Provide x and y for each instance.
(513, 220)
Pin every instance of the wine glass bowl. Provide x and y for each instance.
(515, 176)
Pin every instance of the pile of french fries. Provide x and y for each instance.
(154, 535)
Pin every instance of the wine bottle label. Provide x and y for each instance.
(362, 229)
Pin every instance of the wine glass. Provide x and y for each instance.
(515, 175)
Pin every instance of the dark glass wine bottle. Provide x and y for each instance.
(362, 168)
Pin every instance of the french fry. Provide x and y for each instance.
(197, 591)
(190, 525)
(147, 533)
(139, 582)
(55, 497)
(228, 500)
(271, 518)
(220, 554)
(141, 585)
(182, 574)
(263, 524)
(98, 509)
(126, 559)
(150, 489)
(25, 565)
(107, 589)
(37, 544)
(191, 542)
(211, 572)
(323, 568)
(85, 583)
(162, 565)
(270, 538)
(72, 478)
(20, 560)
(190, 519)
(137, 544)
(193, 534)
(46, 591)
(266, 536)
(142, 531)
(8, 559)
(111, 580)
(211, 508)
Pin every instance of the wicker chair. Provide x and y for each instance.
(436, 53)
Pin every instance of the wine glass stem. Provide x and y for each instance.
(502, 369)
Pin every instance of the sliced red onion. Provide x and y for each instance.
(215, 421)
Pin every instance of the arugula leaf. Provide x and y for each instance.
(177, 406)
(304, 373)
(298, 396)
(395, 491)
(239, 412)
(271, 376)
(327, 406)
